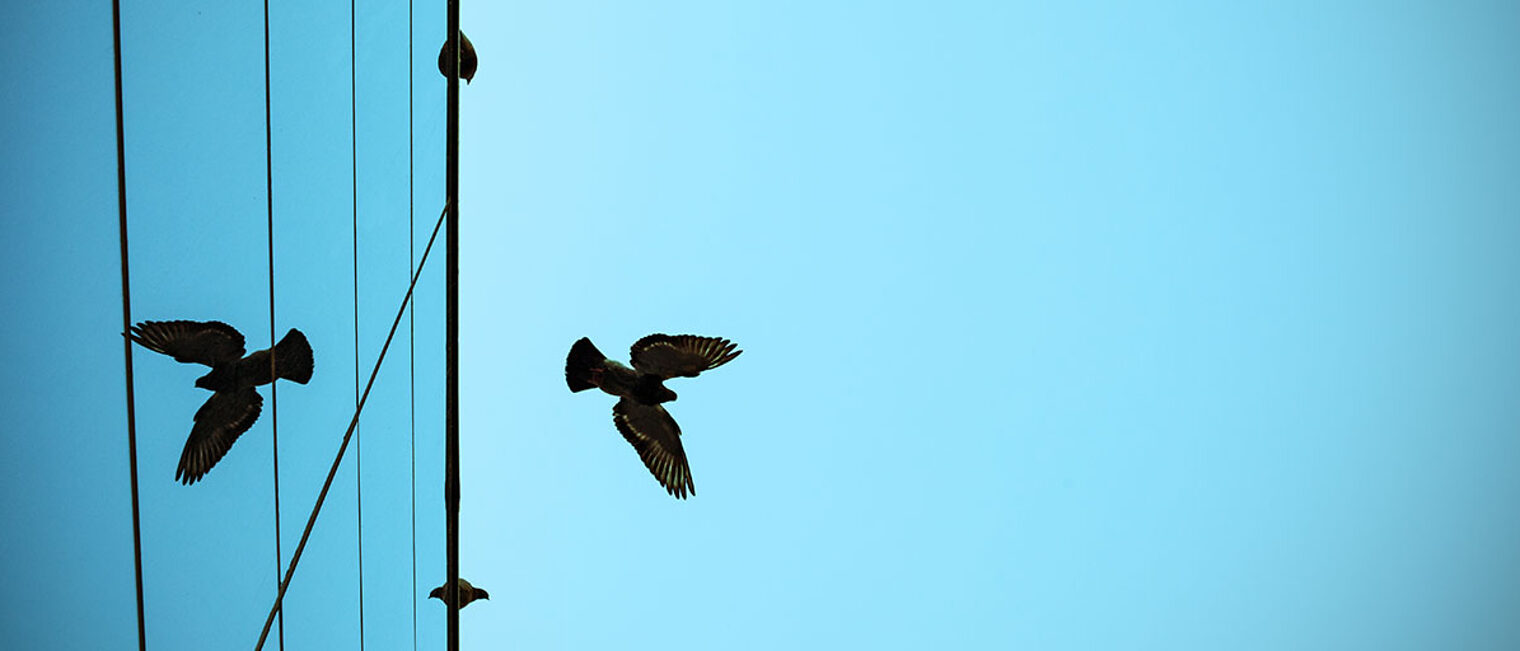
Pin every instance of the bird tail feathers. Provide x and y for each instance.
(293, 359)
(583, 359)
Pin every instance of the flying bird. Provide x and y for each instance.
(467, 62)
(467, 593)
(641, 389)
(234, 404)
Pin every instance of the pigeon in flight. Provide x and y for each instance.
(467, 593)
(234, 405)
(467, 62)
(641, 389)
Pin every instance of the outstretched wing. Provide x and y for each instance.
(657, 439)
(218, 424)
(670, 356)
(201, 342)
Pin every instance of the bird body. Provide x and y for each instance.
(292, 358)
(641, 389)
(234, 405)
(467, 60)
(467, 593)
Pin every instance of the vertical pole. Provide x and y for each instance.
(451, 333)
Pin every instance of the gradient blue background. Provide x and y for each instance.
(1080, 325)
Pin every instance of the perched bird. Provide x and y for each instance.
(234, 405)
(467, 593)
(467, 62)
(641, 389)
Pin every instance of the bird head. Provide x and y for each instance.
(221, 378)
(437, 593)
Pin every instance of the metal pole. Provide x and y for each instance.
(451, 333)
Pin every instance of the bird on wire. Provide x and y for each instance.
(234, 405)
(638, 415)
(467, 593)
(467, 61)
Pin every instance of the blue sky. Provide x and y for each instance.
(1076, 326)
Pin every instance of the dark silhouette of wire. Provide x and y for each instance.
(411, 314)
(274, 396)
(353, 423)
(126, 321)
(353, 97)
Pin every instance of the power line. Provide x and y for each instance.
(274, 396)
(353, 97)
(126, 321)
(411, 314)
(353, 423)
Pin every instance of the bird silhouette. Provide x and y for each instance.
(467, 593)
(234, 405)
(638, 415)
(467, 61)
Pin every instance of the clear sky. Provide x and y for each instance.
(1075, 325)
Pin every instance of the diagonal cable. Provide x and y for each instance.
(348, 435)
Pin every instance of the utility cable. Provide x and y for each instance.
(353, 423)
(411, 314)
(126, 321)
(353, 96)
(274, 396)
